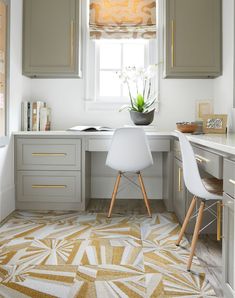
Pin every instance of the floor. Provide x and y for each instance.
(72, 254)
(208, 250)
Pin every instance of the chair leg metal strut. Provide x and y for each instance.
(115, 190)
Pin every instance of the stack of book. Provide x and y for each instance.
(36, 116)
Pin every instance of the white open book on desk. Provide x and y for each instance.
(90, 128)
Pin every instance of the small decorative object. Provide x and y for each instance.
(214, 123)
(186, 127)
(203, 108)
(143, 100)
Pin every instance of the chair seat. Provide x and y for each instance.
(213, 185)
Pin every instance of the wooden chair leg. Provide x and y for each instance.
(144, 194)
(195, 234)
(186, 220)
(114, 194)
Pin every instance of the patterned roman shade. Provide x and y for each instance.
(118, 19)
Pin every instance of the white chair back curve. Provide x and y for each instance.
(129, 150)
(191, 173)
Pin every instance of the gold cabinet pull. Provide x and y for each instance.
(201, 159)
(219, 205)
(172, 43)
(72, 43)
(48, 154)
(180, 180)
(232, 181)
(48, 186)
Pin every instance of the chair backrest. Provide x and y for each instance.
(191, 173)
(129, 150)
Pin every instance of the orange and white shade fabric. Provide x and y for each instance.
(118, 19)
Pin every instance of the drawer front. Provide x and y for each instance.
(210, 162)
(104, 145)
(48, 186)
(48, 154)
(229, 177)
(177, 152)
(159, 145)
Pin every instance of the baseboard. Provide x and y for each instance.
(7, 202)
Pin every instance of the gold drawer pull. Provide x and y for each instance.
(201, 159)
(219, 220)
(232, 181)
(49, 154)
(180, 180)
(48, 186)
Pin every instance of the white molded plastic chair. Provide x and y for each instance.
(129, 152)
(195, 185)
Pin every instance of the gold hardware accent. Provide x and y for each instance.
(180, 180)
(49, 186)
(172, 43)
(201, 159)
(49, 154)
(72, 43)
(219, 205)
(232, 181)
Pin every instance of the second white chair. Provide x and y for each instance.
(129, 152)
(203, 190)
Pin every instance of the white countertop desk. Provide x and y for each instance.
(161, 142)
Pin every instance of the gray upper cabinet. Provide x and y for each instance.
(51, 38)
(192, 38)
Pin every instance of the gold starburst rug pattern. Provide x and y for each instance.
(71, 254)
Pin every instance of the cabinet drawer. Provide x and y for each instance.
(104, 145)
(229, 177)
(48, 186)
(209, 162)
(48, 154)
(177, 152)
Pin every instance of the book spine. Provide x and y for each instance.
(29, 116)
(40, 104)
(24, 116)
(48, 125)
(45, 119)
(34, 116)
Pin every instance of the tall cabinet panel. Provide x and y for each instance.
(193, 38)
(51, 38)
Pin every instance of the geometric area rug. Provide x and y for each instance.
(81, 254)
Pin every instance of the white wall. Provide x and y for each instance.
(19, 88)
(65, 96)
(223, 85)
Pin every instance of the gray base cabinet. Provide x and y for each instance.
(51, 38)
(228, 229)
(192, 38)
(49, 173)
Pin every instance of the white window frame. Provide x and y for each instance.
(110, 98)
(92, 103)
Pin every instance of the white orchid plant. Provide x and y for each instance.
(140, 86)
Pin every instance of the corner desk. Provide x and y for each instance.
(53, 171)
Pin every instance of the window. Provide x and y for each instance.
(112, 57)
(107, 57)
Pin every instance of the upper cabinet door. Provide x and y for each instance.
(51, 38)
(193, 38)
